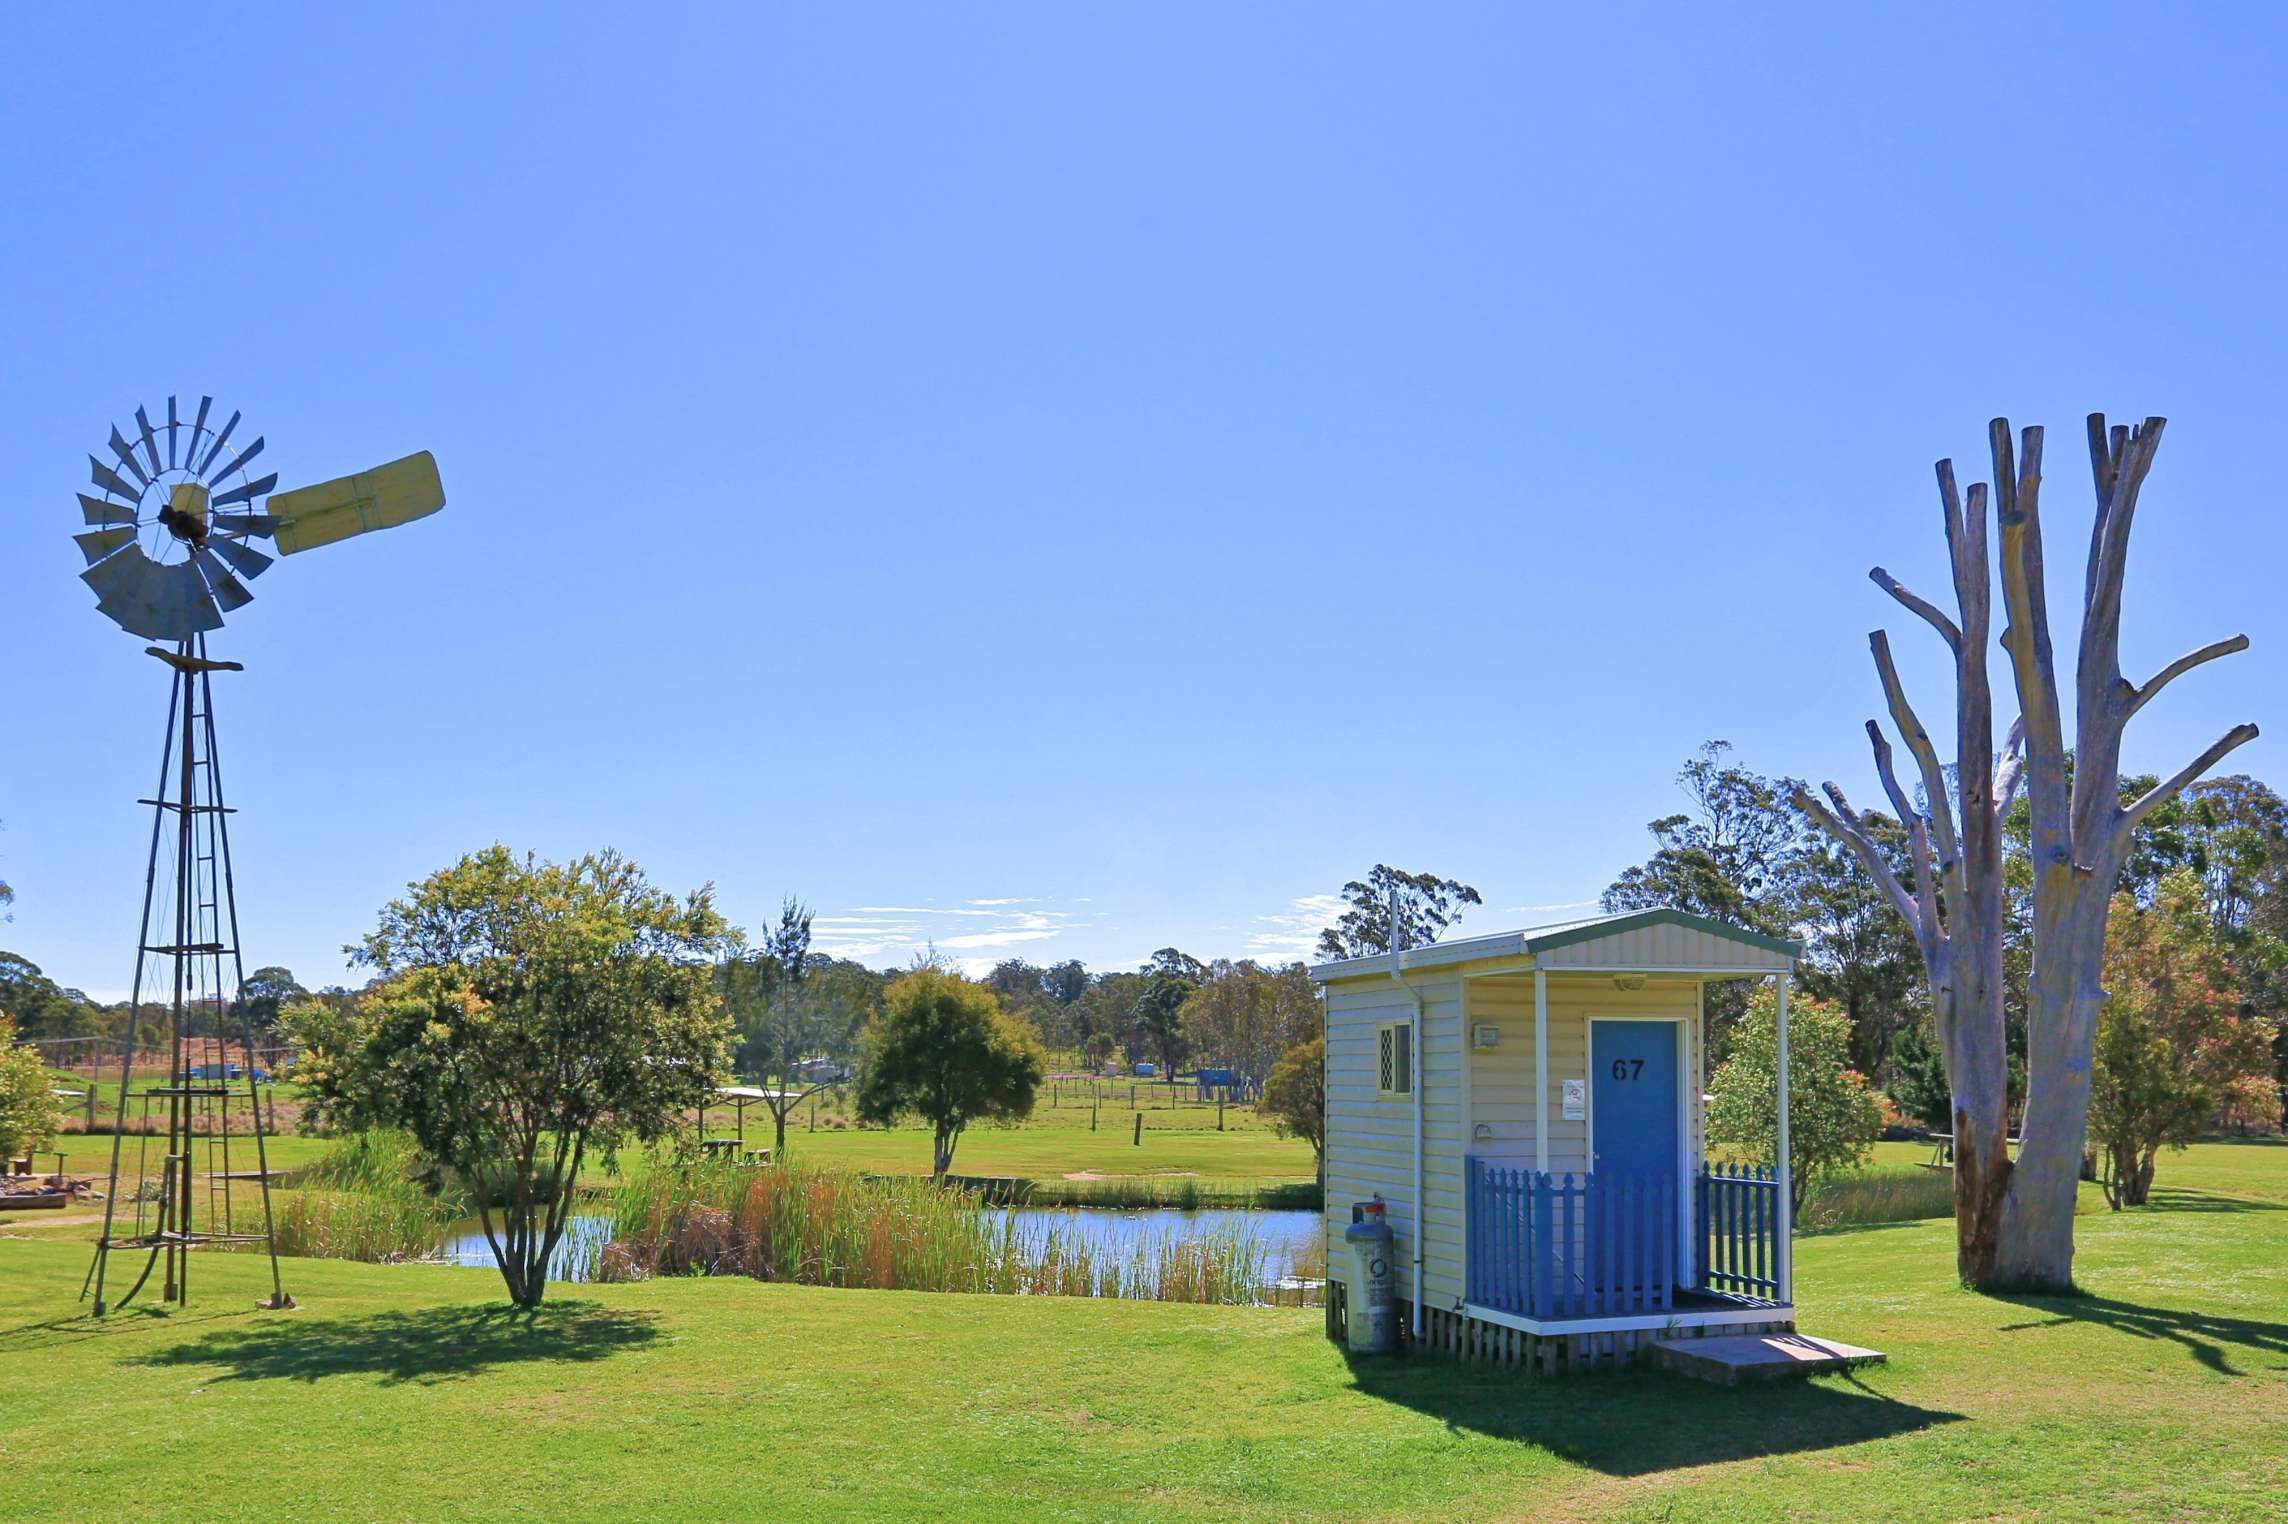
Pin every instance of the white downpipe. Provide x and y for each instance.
(1786, 1202)
(1541, 1071)
(1413, 1085)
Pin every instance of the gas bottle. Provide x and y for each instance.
(1373, 1315)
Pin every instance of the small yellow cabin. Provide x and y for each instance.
(1529, 1108)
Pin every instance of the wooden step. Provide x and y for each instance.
(1738, 1358)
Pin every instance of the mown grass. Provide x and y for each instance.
(406, 1392)
(802, 1224)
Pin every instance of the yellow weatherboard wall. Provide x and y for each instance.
(386, 496)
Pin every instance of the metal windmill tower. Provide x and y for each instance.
(168, 543)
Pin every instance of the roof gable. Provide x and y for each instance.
(1646, 939)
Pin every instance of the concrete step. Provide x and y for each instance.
(1738, 1358)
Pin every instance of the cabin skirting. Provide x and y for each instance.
(1473, 1341)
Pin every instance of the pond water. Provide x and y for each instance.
(1285, 1235)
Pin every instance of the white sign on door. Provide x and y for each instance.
(1576, 1099)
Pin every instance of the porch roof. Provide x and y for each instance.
(1577, 938)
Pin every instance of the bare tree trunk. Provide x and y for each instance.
(2014, 1221)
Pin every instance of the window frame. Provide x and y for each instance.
(1394, 1050)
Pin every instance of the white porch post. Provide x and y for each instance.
(1786, 1212)
(1540, 1071)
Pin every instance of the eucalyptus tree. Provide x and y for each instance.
(1427, 905)
(2014, 1221)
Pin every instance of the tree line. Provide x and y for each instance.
(2193, 1038)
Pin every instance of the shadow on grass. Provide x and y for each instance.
(425, 1346)
(1637, 1422)
(2164, 1199)
(2209, 1339)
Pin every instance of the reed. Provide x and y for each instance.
(368, 1199)
(814, 1226)
(378, 1225)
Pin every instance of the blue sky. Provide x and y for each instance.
(1063, 480)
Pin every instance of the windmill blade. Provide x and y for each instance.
(215, 449)
(228, 590)
(96, 511)
(249, 491)
(150, 445)
(198, 429)
(172, 425)
(264, 524)
(98, 543)
(244, 559)
(109, 480)
(238, 463)
(126, 453)
(120, 575)
(184, 599)
(388, 495)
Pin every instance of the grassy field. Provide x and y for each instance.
(404, 1392)
(1179, 1138)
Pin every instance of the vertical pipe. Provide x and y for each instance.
(1540, 1070)
(1784, 1197)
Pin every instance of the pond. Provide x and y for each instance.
(1289, 1238)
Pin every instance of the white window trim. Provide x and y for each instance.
(1393, 1038)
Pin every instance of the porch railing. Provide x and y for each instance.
(1736, 1211)
(1565, 1246)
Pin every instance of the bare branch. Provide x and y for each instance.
(2182, 665)
(1926, 881)
(2033, 665)
(1930, 613)
(2161, 793)
(2012, 772)
(1844, 824)
(1926, 761)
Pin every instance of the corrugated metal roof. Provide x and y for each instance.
(1531, 939)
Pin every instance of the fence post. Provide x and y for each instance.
(1139, 1129)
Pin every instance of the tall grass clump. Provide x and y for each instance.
(368, 1199)
(821, 1227)
(1894, 1193)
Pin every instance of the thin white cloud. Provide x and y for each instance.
(977, 925)
(1294, 932)
(994, 938)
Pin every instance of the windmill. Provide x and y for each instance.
(170, 544)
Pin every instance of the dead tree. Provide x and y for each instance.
(2014, 1222)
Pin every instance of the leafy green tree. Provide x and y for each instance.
(530, 1014)
(265, 993)
(788, 1010)
(1245, 1016)
(1918, 1080)
(1833, 1118)
(2175, 1051)
(1159, 1018)
(1427, 905)
(943, 1050)
(1295, 1098)
(29, 1114)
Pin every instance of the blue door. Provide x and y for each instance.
(1633, 1095)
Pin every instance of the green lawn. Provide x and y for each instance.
(402, 1392)
(1178, 1139)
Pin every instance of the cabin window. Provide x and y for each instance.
(1394, 1058)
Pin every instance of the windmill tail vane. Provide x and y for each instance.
(169, 542)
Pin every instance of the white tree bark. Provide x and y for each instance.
(2014, 1222)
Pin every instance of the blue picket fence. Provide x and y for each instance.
(1736, 1212)
(1565, 1246)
